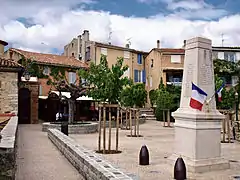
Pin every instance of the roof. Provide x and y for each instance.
(219, 48)
(51, 59)
(169, 50)
(8, 63)
(3, 43)
(119, 48)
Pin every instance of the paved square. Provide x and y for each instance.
(159, 141)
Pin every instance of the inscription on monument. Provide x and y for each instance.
(205, 74)
(188, 81)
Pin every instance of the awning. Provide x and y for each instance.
(68, 95)
(42, 97)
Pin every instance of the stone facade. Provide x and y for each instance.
(8, 92)
(90, 165)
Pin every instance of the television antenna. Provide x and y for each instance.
(109, 37)
(222, 39)
(128, 41)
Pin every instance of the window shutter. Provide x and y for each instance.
(135, 75)
(143, 76)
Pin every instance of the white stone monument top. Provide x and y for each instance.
(198, 68)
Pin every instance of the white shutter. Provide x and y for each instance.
(104, 51)
(72, 77)
(220, 55)
(237, 56)
(126, 54)
(141, 75)
(175, 59)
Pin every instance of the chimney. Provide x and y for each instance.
(2, 45)
(86, 35)
(127, 46)
(184, 44)
(158, 44)
(79, 50)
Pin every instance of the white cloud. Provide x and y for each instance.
(57, 26)
(190, 9)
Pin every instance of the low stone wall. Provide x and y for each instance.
(87, 162)
(92, 127)
(8, 149)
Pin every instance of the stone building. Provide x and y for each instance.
(9, 77)
(46, 62)
(86, 50)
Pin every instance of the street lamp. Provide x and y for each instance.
(236, 99)
(27, 76)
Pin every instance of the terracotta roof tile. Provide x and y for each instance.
(170, 50)
(8, 63)
(51, 58)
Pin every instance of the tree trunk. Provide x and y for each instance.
(71, 105)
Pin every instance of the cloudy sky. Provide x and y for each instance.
(47, 25)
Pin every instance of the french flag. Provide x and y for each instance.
(219, 92)
(198, 97)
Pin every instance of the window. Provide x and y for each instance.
(220, 55)
(46, 70)
(175, 59)
(126, 54)
(237, 56)
(72, 77)
(88, 53)
(151, 63)
(83, 81)
(230, 56)
(150, 83)
(139, 76)
(40, 90)
(139, 58)
(72, 54)
(72, 44)
(104, 51)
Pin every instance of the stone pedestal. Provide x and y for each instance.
(198, 133)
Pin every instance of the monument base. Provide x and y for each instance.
(201, 166)
(198, 140)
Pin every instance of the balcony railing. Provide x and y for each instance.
(175, 83)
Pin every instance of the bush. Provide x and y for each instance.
(153, 97)
(164, 101)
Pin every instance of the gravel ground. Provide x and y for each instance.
(39, 159)
(160, 141)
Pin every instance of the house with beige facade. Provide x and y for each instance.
(87, 51)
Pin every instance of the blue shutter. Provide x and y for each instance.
(139, 59)
(135, 75)
(144, 76)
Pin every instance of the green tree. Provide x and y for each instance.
(153, 96)
(106, 83)
(134, 95)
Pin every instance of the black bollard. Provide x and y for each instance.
(144, 156)
(64, 128)
(180, 170)
(234, 133)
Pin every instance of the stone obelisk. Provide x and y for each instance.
(198, 133)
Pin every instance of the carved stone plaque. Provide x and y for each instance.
(188, 81)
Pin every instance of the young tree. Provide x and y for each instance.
(106, 83)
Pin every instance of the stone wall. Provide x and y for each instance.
(88, 127)
(8, 149)
(88, 163)
(8, 92)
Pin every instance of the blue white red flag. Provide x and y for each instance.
(198, 97)
(219, 92)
